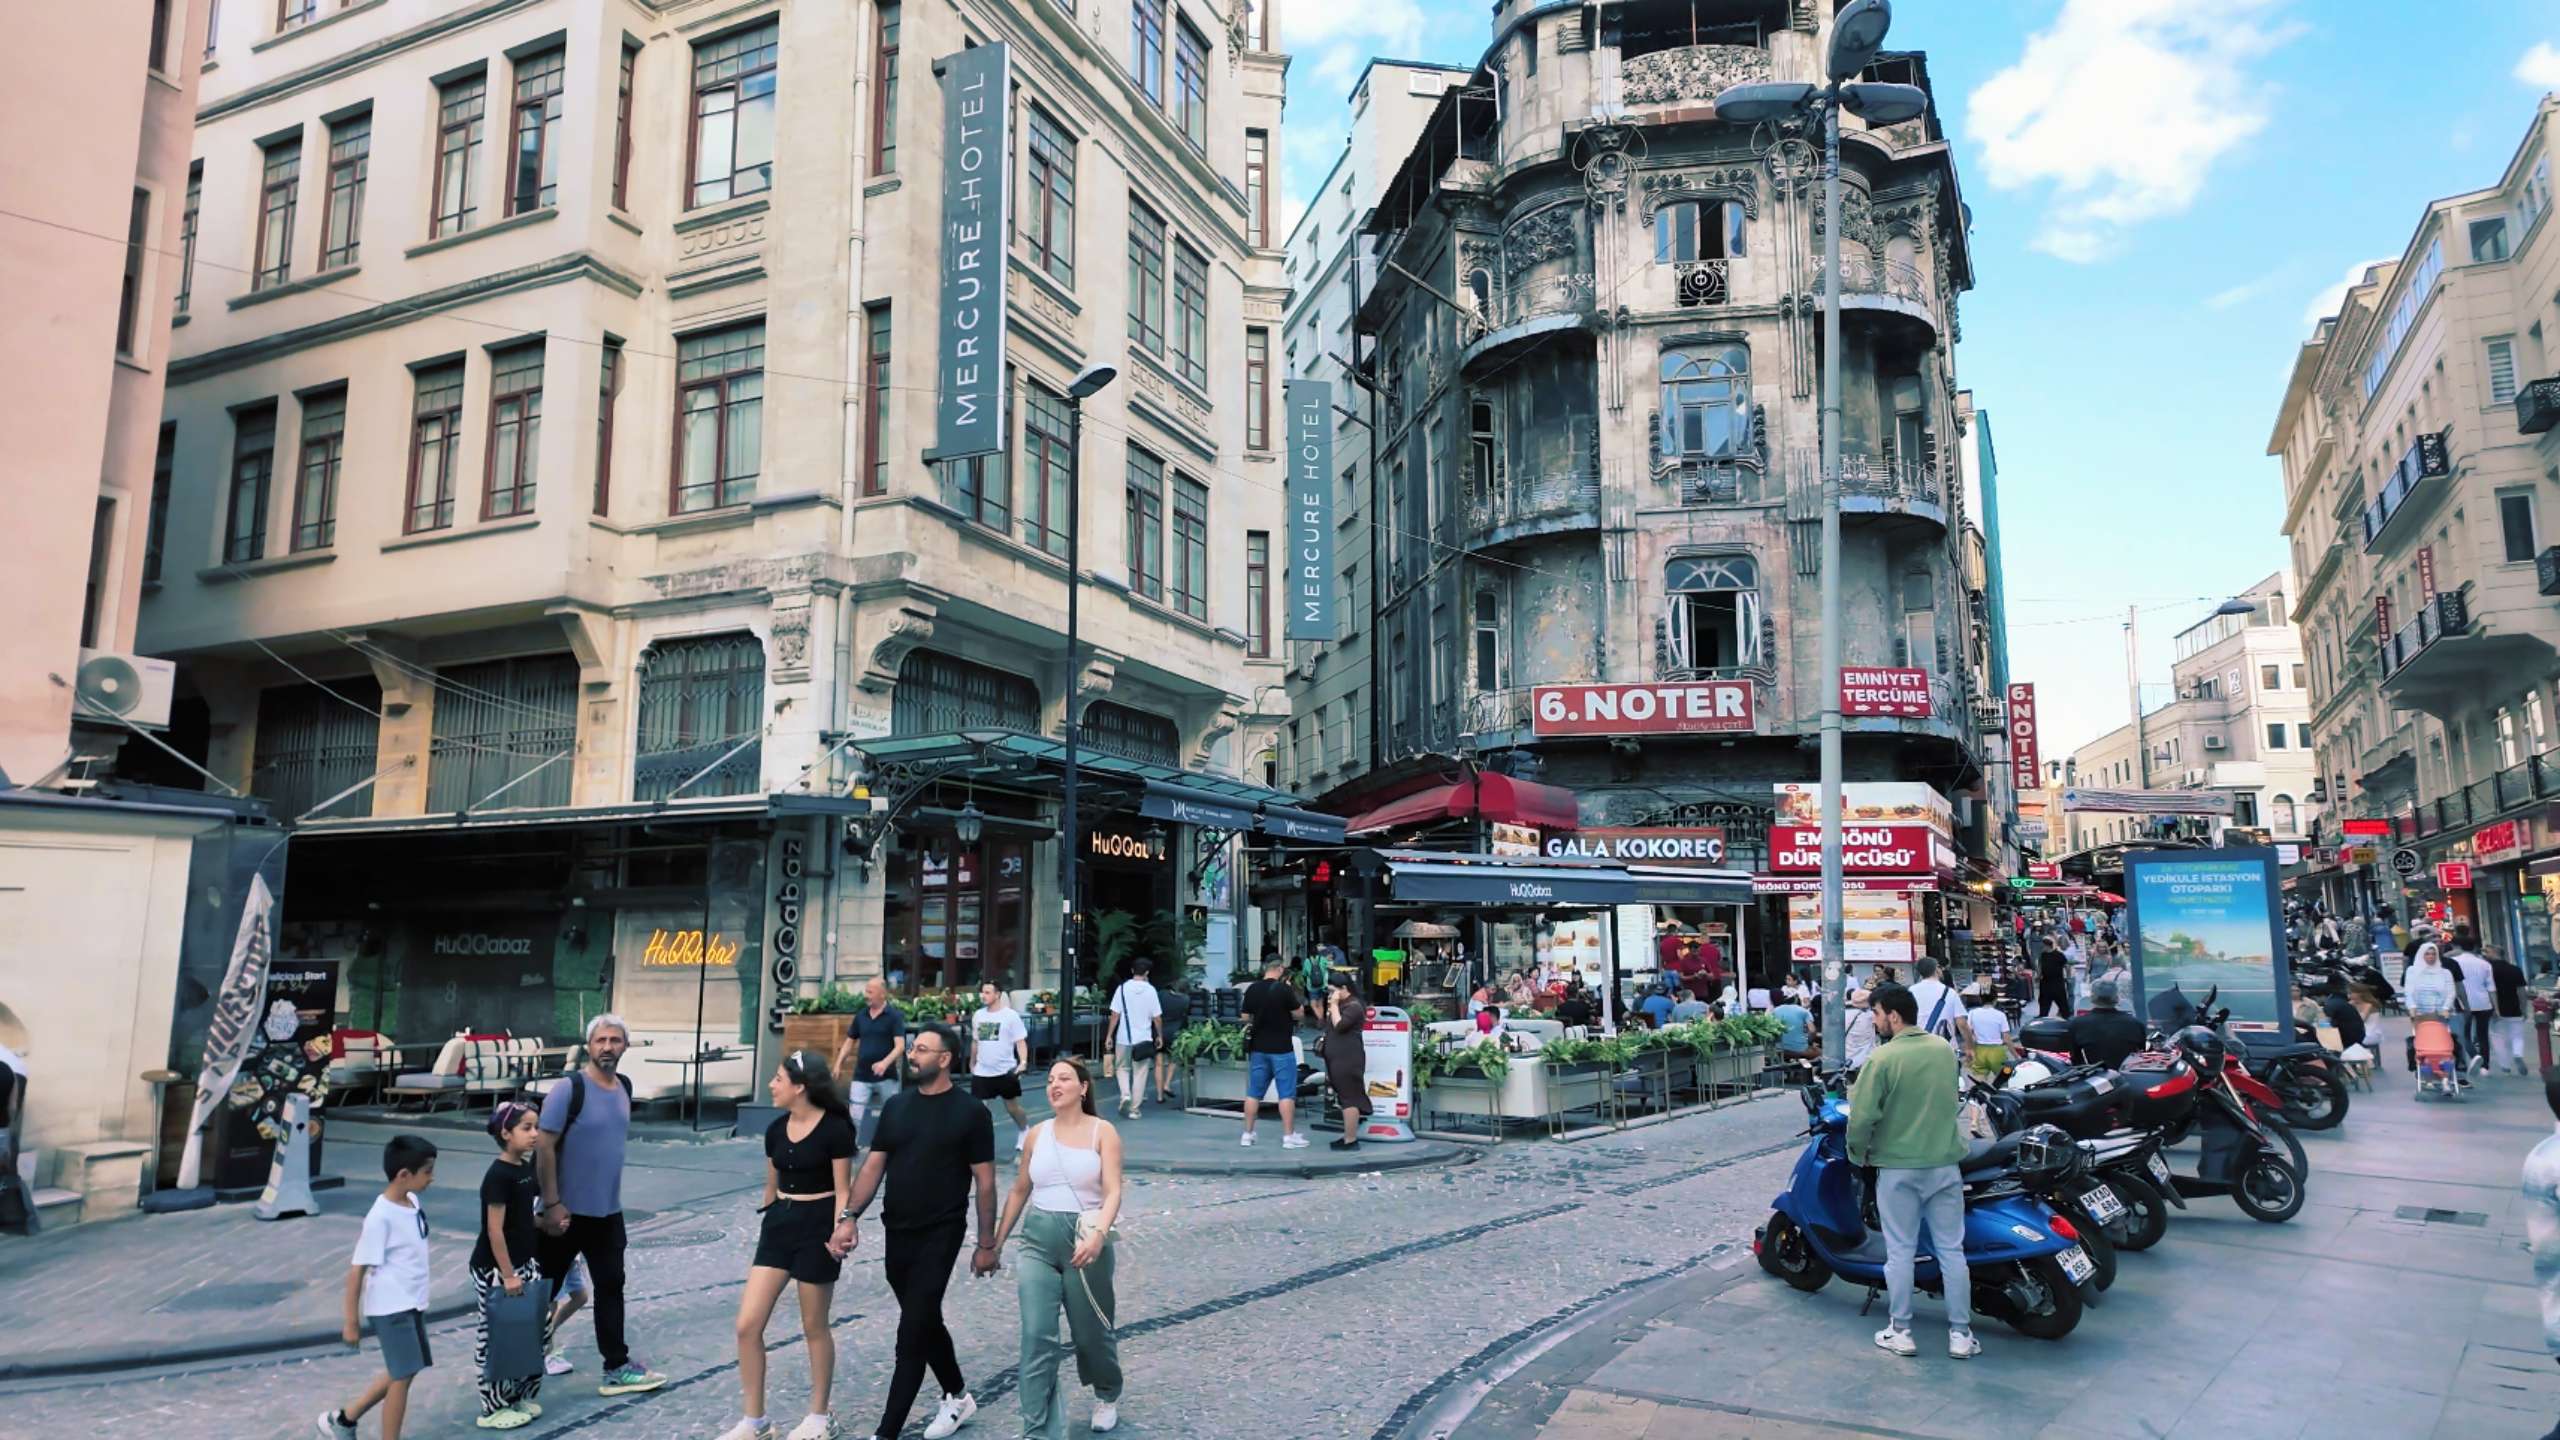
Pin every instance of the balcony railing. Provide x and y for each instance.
(1739, 480)
(2449, 613)
(2538, 406)
(1495, 712)
(2546, 570)
(1704, 282)
(1875, 275)
(1519, 499)
(1529, 299)
(1890, 478)
(2430, 457)
(1692, 72)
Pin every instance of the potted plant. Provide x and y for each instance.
(1211, 1052)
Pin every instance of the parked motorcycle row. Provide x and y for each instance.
(2076, 1168)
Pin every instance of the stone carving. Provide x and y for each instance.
(1739, 183)
(1549, 234)
(1043, 305)
(746, 229)
(791, 642)
(1601, 154)
(1162, 391)
(738, 575)
(1692, 72)
(911, 626)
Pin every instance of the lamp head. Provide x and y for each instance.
(1857, 33)
(2235, 607)
(1091, 380)
(971, 824)
(1751, 104)
(1878, 103)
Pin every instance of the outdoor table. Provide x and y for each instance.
(696, 1062)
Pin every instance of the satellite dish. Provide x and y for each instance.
(109, 685)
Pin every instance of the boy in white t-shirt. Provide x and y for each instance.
(1001, 1051)
(387, 1288)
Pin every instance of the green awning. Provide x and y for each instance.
(1162, 792)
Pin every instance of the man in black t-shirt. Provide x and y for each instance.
(1271, 1007)
(933, 1142)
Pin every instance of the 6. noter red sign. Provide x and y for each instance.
(1703, 707)
(2026, 771)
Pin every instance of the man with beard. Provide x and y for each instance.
(586, 1121)
(933, 1141)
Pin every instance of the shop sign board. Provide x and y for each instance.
(1705, 707)
(1865, 849)
(2406, 864)
(2026, 769)
(1864, 802)
(2495, 842)
(2289, 854)
(2148, 802)
(2376, 829)
(1308, 598)
(1510, 839)
(2453, 874)
(1386, 1044)
(2206, 922)
(1696, 846)
(1869, 691)
(2044, 869)
(1874, 929)
(976, 103)
(2363, 854)
(1855, 884)
(1121, 845)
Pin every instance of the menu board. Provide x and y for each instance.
(1875, 929)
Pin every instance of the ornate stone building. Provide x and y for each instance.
(1590, 340)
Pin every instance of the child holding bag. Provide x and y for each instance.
(505, 1274)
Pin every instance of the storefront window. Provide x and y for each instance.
(956, 915)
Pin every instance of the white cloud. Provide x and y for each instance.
(2240, 294)
(2540, 67)
(2120, 108)
(2326, 303)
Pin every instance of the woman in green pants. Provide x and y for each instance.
(1066, 1195)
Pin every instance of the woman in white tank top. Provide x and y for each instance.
(1066, 1197)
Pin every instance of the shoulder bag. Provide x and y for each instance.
(1140, 1051)
(1088, 1224)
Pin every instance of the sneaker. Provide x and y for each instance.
(629, 1379)
(955, 1412)
(1961, 1345)
(1293, 1141)
(557, 1363)
(1245, 1139)
(531, 1408)
(749, 1430)
(1133, 1111)
(332, 1428)
(815, 1427)
(1896, 1342)
(1345, 1145)
(505, 1420)
(1106, 1416)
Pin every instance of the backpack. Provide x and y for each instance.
(578, 1102)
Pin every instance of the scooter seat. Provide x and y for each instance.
(1994, 1156)
(2296, 1051)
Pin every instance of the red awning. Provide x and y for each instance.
(1487, 797)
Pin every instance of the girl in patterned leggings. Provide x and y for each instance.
(503, 1260)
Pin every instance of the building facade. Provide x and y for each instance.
(2419, 469)
(716, 688)
(1588, 366)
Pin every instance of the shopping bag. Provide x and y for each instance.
(515, 1334)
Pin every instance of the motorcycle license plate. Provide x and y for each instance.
(2077, 1264)
(2158, 1167)
(2101, 1203)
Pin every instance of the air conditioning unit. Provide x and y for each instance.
(2213, 742)
(112, 686)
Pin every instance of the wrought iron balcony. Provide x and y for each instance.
(1735, 480)
(1525, 499)
(2538, 406)
(1500, 712)
(1546, 295)
(2546, 570)
(1704, 282)
(1691, 72)
(1875, 275)
(2448, 614)
(2430, 457)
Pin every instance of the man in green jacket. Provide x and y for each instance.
(1902, 1123)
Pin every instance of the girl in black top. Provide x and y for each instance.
(502, 1259)
(808, 1230)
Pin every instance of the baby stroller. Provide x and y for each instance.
(2433, 1039)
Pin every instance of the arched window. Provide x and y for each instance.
(1711, 618)
(2283, 814)
(1706, 401)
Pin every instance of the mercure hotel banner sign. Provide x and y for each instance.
(969, 381)
(1309, 594)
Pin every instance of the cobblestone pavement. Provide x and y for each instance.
(1318, 1307)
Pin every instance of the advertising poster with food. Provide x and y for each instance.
(1874, 929)
(1872, 802)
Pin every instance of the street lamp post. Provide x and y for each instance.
(1088, 383)
(1857, 32)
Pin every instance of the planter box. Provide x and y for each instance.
(822, 1033)
(1220, 1080)
(1531, 1091)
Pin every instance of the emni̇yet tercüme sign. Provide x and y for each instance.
(969, 376)
(1310, 586)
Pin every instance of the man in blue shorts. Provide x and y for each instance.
(1271, 1007)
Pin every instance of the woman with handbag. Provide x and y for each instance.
(1066, 1196)
(807, 1232)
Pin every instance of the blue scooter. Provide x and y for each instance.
(2025, 1261)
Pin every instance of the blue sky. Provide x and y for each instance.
(2165, 194)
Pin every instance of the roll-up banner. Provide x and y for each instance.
(1310, 586)
(969, 362)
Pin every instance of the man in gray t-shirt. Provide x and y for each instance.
(579, 1163)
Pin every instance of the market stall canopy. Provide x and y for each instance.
(1161, 792)
(1428, 877)
(1493, 798)
(1425, 930)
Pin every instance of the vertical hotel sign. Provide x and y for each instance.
(1310, 593)
(969, 379)
(2026, 768)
